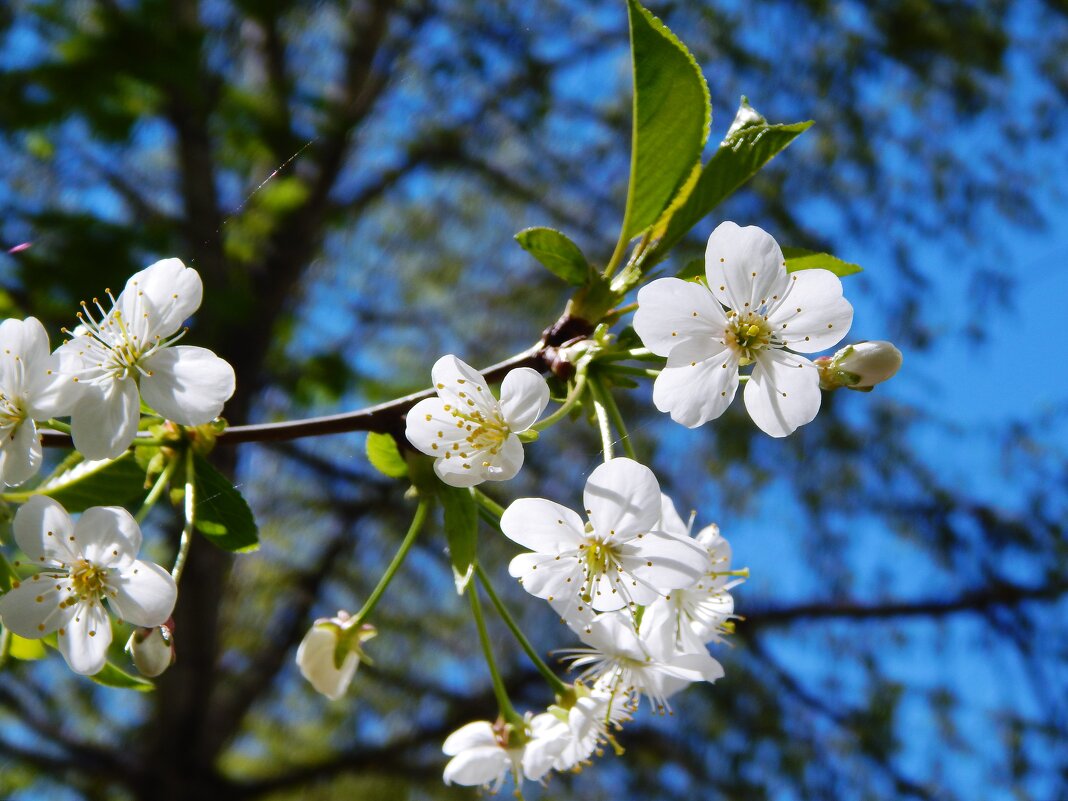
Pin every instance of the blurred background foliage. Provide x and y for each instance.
(347, 177)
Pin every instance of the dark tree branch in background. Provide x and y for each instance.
(976, 601)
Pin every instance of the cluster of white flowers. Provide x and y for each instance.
(116, 361)
(644, 594)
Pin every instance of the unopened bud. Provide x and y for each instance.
(330, 653)
(860, 366)
(152, 649)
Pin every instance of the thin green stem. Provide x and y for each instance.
(398, 559)
(638, 354)
(602, 421)
(190, 519)
(57, 425)
(503, 701)
(487, 503)
(5, 645)
(605, 396)
(156, 491)
(626, 369)
(554, 681)
(569, 402)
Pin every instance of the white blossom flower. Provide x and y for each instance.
(589, 720)
(316, 654)
(83, 564)
(129, 354)
(627, 662)
(29, 390)
(484, 753)
(750, 311)
(472, 434)
(860, 366)
(702, 609)
(619, 559)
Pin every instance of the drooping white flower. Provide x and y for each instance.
(473, 435)
(152, 649)
(750, 312)
(129, 353)
(83, 564)
(702, 609)
(316, 654)
(590, 721)
(627, 662)
(29, 390)
(860, 366)
(484, 753)
(619, 559)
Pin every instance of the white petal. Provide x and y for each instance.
(622, 498)
(813, 315)
(23, 343)
(20, 454)
(696, 386)
(671, 311)
(431, 429)
(167, 291)
(542, 526)
(33, 609)
(186, 384)
(84, 643)
(104, 419)
(504, 465)
(670, 521)
(315, 658)
(49, 392)
(677, 561)
(546, 576)
(549, 738)
(144, 594)
(476, 734)
(108, 536)
(457, 383)
(43, 530)
(451, 470)
(744, 267)
(524, 395)
(783, 392)
(478, 766)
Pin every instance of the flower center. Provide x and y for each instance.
(597, 558)
(484, 433)
(87, 580)
(747, 334)
(11, 413)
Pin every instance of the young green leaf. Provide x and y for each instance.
(220, 513)
(79, 484)
(385, 456)
(26, 650)
(801, 259)
(671, 116)
(556, 252)
(737, 160)
(112, 676)
(694, 268)
(461, 532)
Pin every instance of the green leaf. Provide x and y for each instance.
(672, 113)
(79, 484)
(220, 513)
(112, 676)
(801, 259)
(461, 531)
(385, 456)
(694, 268)
(739, 158)
(26, 650)
(556, 252)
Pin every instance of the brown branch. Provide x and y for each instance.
(383, 417)
(977, 601)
